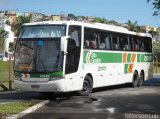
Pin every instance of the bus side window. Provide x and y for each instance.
(102, 44)
(148, 44)
(115, 40)
(130, 43)
(123, 42)
(105, 41)
(86, 43)
(141, 45)
(75, 34)
(135, 45)
(108, 42)
(90, 38)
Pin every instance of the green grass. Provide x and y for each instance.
(4, 75)
(4, 66)
(4, 85)
(15, 107)
(4, 71)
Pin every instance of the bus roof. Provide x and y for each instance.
(91, 25)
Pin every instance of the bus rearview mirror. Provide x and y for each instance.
(64, 42)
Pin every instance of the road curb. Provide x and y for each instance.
(29, 110)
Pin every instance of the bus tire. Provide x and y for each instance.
(87, 86)
(141, 79)
(135, 79)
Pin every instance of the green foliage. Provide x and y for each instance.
(7, 22)
(156, 6)
(105, 21)
(20, 21)
(3, 35)
(71, 16)
(11, 47)
(156, 47)
(99, 20)
(133, 26)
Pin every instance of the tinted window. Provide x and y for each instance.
(90, 38)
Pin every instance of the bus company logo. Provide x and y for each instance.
(92, 58)
(147, 58)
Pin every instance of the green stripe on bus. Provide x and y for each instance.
(57, 74)
(129, 57)
(126, 68)
(41, 75)
(106, 57)
(102, 57)
(138, 58)
(84, 56)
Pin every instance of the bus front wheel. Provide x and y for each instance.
(87, 86)
(135, 79)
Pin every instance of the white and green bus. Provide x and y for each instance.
(67, 56)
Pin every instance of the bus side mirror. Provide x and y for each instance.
(64, 42)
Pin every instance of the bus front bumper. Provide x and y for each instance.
(50, 86)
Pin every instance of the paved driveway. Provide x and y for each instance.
(115, 102)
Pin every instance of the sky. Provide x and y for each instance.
(118, 10)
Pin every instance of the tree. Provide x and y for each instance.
(156, 47)
(156, 6)
(7, 22)
(71, 17)
(105, 21)
(99, 20)
(20, 21)
(133, 26)
(3, 35)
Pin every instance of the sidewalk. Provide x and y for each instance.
(15, 96)
(155, 81)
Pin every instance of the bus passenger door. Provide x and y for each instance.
(70, 57)
(73, 49)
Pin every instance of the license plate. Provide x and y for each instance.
(35, 86)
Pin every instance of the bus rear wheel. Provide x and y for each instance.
(141, 79)
(87, 86)
(135, 79)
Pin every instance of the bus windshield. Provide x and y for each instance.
(38, 55)
(43, 31)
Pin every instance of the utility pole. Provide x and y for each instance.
(10, 72)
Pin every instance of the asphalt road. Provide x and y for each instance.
(114, 102)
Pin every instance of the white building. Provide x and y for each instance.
(156, 38)
(9, 39)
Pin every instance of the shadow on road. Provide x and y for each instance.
(19, 95)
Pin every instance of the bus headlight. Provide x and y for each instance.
(18, 78)
(54, 78)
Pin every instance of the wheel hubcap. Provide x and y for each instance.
(85, 86)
